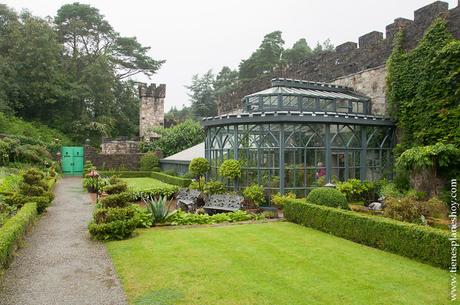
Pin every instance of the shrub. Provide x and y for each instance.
(179, 181)
(105, 215)
(184, 218)
(328, 197)
(198, 184)
(412, 208)
(159, 209)
(427, 245)
(199, 166)
(170, 172)
(353, 189)
(230, 169)
(166, 190)
(13, 229)
(115, 230)
(88, 167)
(114, 179)
(149, 161)
(120, 187)
(143, 216)
(214, 187)
(281, 200)
(42, 202)
(126, 174)
(255, 193)
(120, 200)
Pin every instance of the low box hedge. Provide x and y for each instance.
(424, 244)
(179, 181)
(126, 174)
(13, 230)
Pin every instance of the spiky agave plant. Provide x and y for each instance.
(159, 208)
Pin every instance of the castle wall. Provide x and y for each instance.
(351, 63)
(370, 82)
(151, 112)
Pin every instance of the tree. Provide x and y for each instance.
(299, 51)
(325, 46)
(202, 95)
(177, 138)
(226, 80)
(265, 59)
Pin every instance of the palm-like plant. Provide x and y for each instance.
(159, 208)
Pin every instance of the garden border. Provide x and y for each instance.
(424, 244)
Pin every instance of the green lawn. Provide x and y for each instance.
(272, 263)
(139, 184)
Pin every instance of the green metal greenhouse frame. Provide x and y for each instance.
(292, 132)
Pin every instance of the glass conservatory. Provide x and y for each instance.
(297, 135)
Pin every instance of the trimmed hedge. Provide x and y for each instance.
(424, 244)
(126, 174)
(14, 229)
(179, 181)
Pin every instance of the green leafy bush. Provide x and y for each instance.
(14, 229)
(412, 208)
(166, 190)
(120, 200)
(328, 197)
(280, 200)
(143, 216)
(230, 169)
(254, 193)
(184, 218)
(179, 181)
(105, 215)
(115, 230)
(214, 187)
(149, 161)
(424, 244)
(353, 189)
(116, 188)
(199, 166)
(198, 184)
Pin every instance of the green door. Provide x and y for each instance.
(72, 160)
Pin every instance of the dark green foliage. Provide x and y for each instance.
(199, 166)
(125, 174)
(255, 193)
(105, 215)
(202, 95)
(15, 200)
(120, 200)
(176, 139)
(115, 230)
(116, 188)
(327, 196)
(168, 191)
(149, 161)
(424, 88)
(183, 218)
(13, 230)
(42, 202)
(179, 181)
(427, 245)
(214, 187)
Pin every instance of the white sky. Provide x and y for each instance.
(195, 36)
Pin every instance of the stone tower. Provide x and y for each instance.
(151, 112)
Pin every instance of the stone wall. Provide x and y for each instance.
(370, 82)
(112, 161)
(350, 58)
(151, 112)
(120, 147)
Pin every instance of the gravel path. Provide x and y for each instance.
(59, 263)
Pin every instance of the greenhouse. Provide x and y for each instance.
(296, 135)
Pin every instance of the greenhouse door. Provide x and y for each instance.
(72, 161)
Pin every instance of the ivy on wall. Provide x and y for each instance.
(424, 88)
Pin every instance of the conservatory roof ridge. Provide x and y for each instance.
(304, 84)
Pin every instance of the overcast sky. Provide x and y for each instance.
(195, 36)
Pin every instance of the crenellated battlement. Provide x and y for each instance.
(152, 90)
(371, 51)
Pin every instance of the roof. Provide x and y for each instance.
(285, 86)
(308, 92)
(187, 154)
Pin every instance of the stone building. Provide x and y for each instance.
(360, 66)
(151, 112)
